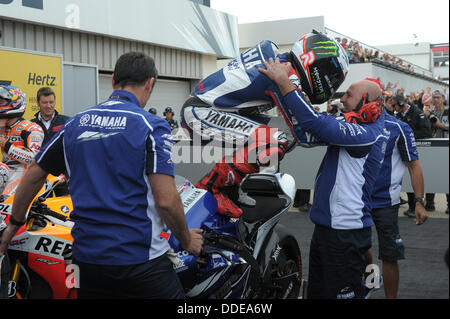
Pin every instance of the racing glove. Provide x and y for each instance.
(365, 112)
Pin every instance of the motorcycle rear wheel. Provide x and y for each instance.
(287, 265)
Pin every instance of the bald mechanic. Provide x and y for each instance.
(341, 207)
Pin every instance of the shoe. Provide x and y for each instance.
(430, 207)
(296, 203)
(224, 175)
(409, 213)
(305, 208)
(369, 291)
(403, 202)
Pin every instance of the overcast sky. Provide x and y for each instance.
(373, 22)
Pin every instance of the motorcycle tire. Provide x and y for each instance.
(288, 262)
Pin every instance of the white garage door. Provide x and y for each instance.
(165, 93)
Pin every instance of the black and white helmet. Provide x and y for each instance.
(322, 64)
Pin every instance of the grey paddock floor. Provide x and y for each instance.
(423, 274)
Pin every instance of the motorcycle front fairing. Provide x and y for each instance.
(200, 209)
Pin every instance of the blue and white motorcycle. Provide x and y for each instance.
(248, 257)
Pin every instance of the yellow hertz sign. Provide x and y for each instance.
(30, 72)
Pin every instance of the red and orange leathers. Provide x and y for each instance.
(24, 140)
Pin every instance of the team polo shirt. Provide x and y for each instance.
(401, 148)
(108, 151)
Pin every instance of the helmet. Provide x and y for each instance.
(322, 65)
(16, 102)
(168, 110)
(153, 111)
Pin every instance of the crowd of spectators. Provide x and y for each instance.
(425, 111)
(358, 53)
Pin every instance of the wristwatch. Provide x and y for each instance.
(420, 200)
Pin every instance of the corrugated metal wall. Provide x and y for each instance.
(95, 49)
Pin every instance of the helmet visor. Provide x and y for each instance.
(5, 97)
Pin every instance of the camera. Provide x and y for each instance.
(433, 118)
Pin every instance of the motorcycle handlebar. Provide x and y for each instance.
(56, 215)
(42, 209)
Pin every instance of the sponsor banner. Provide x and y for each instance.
(29, 72)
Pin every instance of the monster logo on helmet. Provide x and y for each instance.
(322, 65)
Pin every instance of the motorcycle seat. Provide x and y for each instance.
(266, 207)
(266, 191)
(261, 184)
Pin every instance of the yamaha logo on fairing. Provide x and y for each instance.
(191, 198)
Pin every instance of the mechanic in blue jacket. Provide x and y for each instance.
(344, 183)
(118, 157)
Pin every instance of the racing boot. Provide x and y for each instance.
(223, 175)
(265, 147)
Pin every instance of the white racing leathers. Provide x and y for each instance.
(228, 109)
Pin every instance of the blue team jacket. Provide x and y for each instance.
(346, 177)
(108, 151)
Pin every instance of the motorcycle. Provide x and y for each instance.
(248, 257)
(41, 249)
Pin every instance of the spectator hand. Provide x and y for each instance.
(438, 123)
(427, 110)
